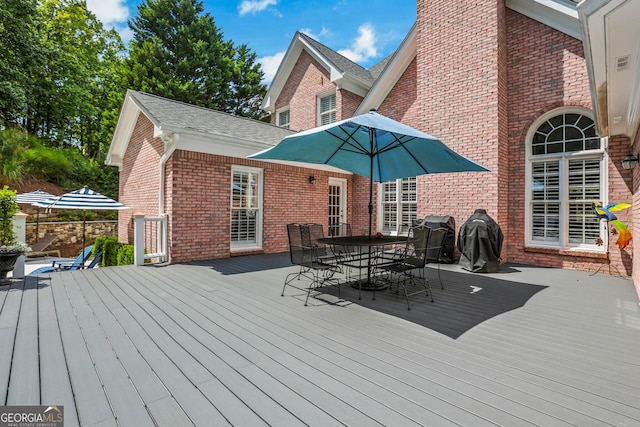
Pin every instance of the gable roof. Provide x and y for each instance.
(199, 129)
(377, 81)
(340, 61)
(343, 72)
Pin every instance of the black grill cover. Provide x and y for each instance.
(480, 242)
(437, 221)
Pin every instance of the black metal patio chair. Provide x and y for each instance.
(435, 248)
(406, 260)
(314, 259)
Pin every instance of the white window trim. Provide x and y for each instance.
(564, 215)
(380, 210)
(318, 105)
(238, 247)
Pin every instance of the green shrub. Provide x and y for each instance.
(110, 253)
(100, 241)
(125, 255)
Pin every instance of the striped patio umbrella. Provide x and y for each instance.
(84, 199)
(34, 197)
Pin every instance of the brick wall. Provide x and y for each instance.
(139, 177)
(460, 90)
(547, 70)
(200, 209)
(307, 79)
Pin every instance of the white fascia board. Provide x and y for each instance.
(122, 134)
(218, 144)
(555, 14)
(281, 76)
(313, 166)
(392, 73)
(594, 47)
(352, 85)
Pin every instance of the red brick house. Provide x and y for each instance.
(537, 91)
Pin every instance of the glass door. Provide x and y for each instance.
(337, 205)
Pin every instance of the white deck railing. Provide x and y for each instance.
(150, 234)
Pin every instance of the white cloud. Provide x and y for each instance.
(309, 32)
(363, 47)
(270, 66)
(255, 6)
(109, 12)
(317, 37)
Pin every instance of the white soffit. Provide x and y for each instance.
(558, 14)
(612, 46)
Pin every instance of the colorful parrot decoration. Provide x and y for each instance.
(606, 212)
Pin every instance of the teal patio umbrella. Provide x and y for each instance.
(373, 146)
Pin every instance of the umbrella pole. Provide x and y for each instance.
(37, 223)
(84, 222)
(370, 210)
(371, 133)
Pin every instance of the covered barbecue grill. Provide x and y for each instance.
(480, 243)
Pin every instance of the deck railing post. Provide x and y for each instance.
(20, 228)
(138, 239)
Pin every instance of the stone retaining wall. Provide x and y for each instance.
(69, 241)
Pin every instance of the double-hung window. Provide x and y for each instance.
(565, 174)
(246, 208)
(399, 205)
(283, 118)
(326, 109)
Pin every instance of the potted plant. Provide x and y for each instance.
(10, 248)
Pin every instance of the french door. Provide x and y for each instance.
(337, 202)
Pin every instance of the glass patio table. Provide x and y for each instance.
(365, 260)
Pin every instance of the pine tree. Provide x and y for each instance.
(178, 52)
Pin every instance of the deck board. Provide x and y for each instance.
(215, 343)
(9, 314)
(91, 403)
(123, 397)
(55, 384)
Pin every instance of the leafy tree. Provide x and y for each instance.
(19, 53)
(178, 52)
(69, 94)
(248, 91)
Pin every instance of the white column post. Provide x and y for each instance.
(20, 228)
(138, 238)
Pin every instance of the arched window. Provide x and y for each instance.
(565, 175)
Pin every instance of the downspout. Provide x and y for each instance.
(170, 141)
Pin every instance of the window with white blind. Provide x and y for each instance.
(326, 109)
(246, 208)
(399, 205)
(283, 118)
(566, 175)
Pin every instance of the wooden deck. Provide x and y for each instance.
(214, 343)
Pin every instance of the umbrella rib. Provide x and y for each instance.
(401, 144)
(357, 147)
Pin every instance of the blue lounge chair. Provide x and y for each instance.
(61, 266)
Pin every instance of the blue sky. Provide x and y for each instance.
(363, 30)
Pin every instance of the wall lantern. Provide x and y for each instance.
(630, 161)
(312, 179)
